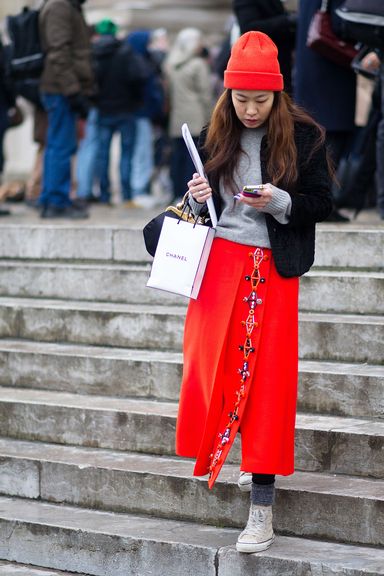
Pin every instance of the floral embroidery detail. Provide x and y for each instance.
(252, 300)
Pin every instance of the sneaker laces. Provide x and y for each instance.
(256, 522)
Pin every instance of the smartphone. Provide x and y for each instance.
(252, 191)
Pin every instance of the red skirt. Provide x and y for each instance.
(240, 364)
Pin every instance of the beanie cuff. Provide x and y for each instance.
(238, 80)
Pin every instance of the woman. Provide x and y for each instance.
(190, 100)
(240, 342)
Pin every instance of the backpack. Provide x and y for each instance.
(25, 55)
(363, 21)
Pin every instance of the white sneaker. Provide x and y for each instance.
(245, 481)
(258, 534)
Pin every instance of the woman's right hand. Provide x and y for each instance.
(199, 189)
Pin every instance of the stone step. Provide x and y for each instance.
(340, 508)
(353, 292)
(12, 569)
(324, 387)
(352, 247)
(331, 444)
(350, 292)
(340, 337)
(101, 324)
(85, 540)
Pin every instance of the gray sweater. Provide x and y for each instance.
(241, 223)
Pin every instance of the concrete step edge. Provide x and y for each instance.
(110, 265)
(342, 273)
(287, 555)
(169, 409)
(334, 444)
(13, 569)
(133, 462)
(130, 354)
(87, 351)
(166, 309)
(131, 483)
(89, 306)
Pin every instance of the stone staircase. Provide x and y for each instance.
(90, 370)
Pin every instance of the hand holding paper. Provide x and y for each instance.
(199, 168)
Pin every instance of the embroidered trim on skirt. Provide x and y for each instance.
(240, 364)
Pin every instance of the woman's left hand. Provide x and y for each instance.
(258, 202)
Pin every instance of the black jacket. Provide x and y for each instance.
(325, 89)
(293, 244)
(121, 76)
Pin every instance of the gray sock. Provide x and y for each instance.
(263, 494)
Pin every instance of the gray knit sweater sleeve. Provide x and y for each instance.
(196, 207)
(280, 205)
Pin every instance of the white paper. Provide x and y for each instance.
(199, 168)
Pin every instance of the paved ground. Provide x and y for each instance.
(120, 216)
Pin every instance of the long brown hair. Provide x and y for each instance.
(223, 142)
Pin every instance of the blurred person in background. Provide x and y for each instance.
(121, 79)
(66, 85)
(7, 103)
(35, 180)
(270, 17)
(161, 187)
(190, 100)
(103, 44)
(327, 90)
(374, 62)
(150, 113)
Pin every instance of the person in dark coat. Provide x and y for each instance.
(325, 89)
(7, 101)
(149, 113)
(121, 78)
(66, 85)
(270, 17)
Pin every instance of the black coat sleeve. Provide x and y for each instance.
(312, 200)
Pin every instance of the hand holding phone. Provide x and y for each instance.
(252, 191)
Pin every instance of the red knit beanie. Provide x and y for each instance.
(253, 64)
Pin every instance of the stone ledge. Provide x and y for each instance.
(12, 569)
(350, 292)
(335, 247)
(347, 389)
(329, 337)
(96, 543)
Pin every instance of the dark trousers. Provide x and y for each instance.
(3, 129)
(380, 150)
(60, 146)
(108, 125)
(182, 167)
(263, 479)
(339, 144)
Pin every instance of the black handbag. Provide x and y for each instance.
(182, 211)
(364, 21)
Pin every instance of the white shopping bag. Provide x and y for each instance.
(181, 257)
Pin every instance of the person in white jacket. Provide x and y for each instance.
(190, 100)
